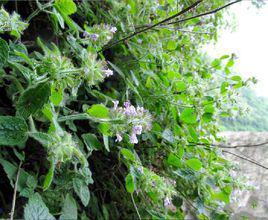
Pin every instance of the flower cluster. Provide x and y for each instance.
(94, 70)
(99, 34)
(137, 120)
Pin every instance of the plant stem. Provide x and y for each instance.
(15, 193)
(136, 208)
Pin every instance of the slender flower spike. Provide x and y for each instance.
(133, 139)
(137, 129)
(108, 72)
(118, 138)
(167, 201)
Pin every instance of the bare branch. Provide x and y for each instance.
(152, 26)
(246, 159)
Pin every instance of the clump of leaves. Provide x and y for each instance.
(91, 158)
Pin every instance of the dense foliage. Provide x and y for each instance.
(254, 119)
(94, 127)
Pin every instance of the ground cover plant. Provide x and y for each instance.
(109, 110)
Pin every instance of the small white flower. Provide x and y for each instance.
(108, 72)
(113, 29)
(116, 102)
(137, 129)
(118, 138)
(133, 139)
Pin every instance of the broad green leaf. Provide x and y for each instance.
(91, 141)
(13, 130)
(36, 209)
(230, 63)
(98, 111)
(33, 99)
(69, 209)
(194, 163)
(130, 184)
(82, 191)
(188, 116)
(66, 7)
(222, 196)
(104, 128)
(128, 154)
(174, 160)
(4, 49)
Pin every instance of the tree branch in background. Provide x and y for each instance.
(152, 26)
(204, 14)
(246, 159)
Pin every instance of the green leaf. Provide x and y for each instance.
(66, 7)
(174, 160)
(49, 176)
(194, 163)
(171, 45)
(13, 130)
(222, 196)
(106, 142)
(188, 116)
(36, 209)
(130, 184)
(180, 86)
(33, 99)
(236, 78)
(44, 138)
(128, 154)
(69, 209)
(91, 141)
(56, 95)
(4, 50)
(82, 191)
(98, 111)
(230, 63)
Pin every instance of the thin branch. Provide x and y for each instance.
(204, 14)
(136, 208)
(246, 145)
(15, 193)
(246, 159)
(151, 26)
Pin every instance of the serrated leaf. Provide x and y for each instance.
(69, 209)
(33, 99)
(130, 184)
(4, 49)
(98, 111)
(13, 130)
(188, 116)
(36, 209)
(82, 191)
(194, 163)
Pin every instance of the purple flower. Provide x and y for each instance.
(113, 29)
(118, 138)
(116, 102)
(167, 201)
(94, 37)
(127, 104)
(137, 129)
(130, 111)
(140, 109)
(86, 34)
(108, 72)
(133, 139)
